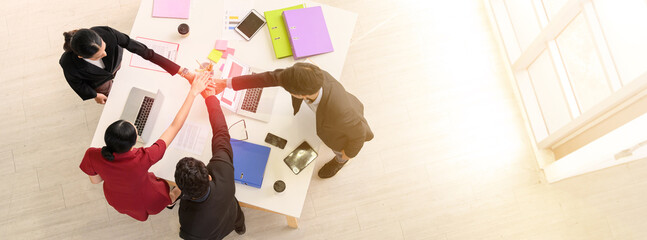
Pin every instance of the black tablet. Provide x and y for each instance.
(300, 158)
(250, 25)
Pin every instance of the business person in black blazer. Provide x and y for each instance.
(93, 56)
(340, 115)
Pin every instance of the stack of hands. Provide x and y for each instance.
(205, 74)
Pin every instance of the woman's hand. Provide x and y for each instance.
(200, 82)
(100, 98)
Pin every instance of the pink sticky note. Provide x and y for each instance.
(171, 8)
(221, 45)
(230, 51)
(221, 67)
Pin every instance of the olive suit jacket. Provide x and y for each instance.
(340, 115)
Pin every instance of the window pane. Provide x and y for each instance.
(506, 30)
(553, 6)
(537, 122)
(623, 25)
(583, 63)
(524, 20)
(549, 92)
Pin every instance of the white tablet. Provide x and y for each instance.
(250, 25)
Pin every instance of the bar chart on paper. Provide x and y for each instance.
(234, 13)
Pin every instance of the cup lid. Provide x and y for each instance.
(279, 186)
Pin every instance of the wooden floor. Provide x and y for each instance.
(451, 158)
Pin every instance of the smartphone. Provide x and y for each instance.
(300, 158)
(250, 25)
(275, 140)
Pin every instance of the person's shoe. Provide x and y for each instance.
(241, 231)
(330, 168)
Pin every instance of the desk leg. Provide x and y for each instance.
(292, 222)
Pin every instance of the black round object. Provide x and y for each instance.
(183, 29)
(279, 186)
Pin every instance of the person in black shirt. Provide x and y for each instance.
(208, 207)
(93, 56)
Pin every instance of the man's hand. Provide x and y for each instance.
(220, 85)
(200, 83)
(209, 91)
(100, 98)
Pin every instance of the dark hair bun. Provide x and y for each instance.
(68, 37)
(120, 137)
(107, 154)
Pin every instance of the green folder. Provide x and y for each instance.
(278, 31)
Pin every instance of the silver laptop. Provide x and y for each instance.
(142, 109)
(256, 103)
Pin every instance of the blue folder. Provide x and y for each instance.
(249, 162)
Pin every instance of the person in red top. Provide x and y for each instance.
(127, 184)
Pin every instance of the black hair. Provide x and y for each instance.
(192, 177)
(301, 79)
(83, 42)
(120, 136)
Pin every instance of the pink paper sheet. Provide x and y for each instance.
(171, 8)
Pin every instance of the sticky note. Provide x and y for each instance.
(221, 45)
(221, 67)
(230, 51)
(215, 55)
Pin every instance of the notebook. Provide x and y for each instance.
(278, 32)
(171, 8)
(307, 31)
(249, 162)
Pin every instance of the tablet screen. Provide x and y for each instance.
(300, 158)
(250, 24)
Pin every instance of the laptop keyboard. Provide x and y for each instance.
(142, 116)
(252, 97)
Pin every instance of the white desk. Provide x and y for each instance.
(206, 22)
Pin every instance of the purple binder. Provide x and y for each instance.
(307, 31)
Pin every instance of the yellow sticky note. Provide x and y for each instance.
(215, 55)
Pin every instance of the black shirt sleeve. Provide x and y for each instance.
(220, 142)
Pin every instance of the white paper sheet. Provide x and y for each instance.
(166, 49)
(235, 10)
(192, 138)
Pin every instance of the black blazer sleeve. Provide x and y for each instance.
(266, 79)
(140, 49)
(81, 88)
(220, 146)
(261, 80)
(74, 78)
